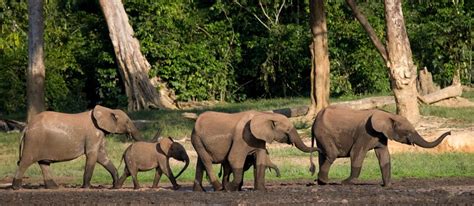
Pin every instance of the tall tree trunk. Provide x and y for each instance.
(402, 70)
(35, 72)
(133, 65)
(397, 56)
(319, 59)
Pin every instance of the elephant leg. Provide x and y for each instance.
(134, 173)
(91, 159)
(48, 181)
(197, 186)
(324, 166)
(357, 158)
(227, 171)
(167, 171)
(384, 161)
(103, 160)
(122, 179)
(158, 173)
(22, 166)
(237, 165)
(261, 160)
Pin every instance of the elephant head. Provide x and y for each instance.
(114, 121)
(271, 126)
(398, 128)
(174, 150)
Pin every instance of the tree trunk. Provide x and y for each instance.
(35, 72)
(133, 65)
(319, 59)
(425, 83)
(402, 69)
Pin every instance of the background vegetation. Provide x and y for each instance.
(218, 50)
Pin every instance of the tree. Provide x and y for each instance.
(35, 71)
(133, 66)
(319, 59)
(397, 56)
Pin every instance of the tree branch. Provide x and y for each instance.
(370, 31)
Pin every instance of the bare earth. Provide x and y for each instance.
(406, 191)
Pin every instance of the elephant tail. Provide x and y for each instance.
(20, 149)
(220, 172)
(312, 167)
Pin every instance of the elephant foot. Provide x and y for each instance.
(50, 184)
(198, 188)
(16, 184)
(321, 182)
(231, 187)
(217, 186)
(176, 187)
(387, 184)
(349, 181)
(136, 187)
(84, 186)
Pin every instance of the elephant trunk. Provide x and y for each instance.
(418, 140)
(136, 135)
(296, 140)
(186, 160)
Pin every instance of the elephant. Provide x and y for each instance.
(249, 161)
(221, 137)
(344, 132)
(145, 156)
(53, 137)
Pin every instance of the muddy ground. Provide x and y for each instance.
(405, 191)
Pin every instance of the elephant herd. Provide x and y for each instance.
(237, 141)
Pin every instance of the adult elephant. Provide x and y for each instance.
(56, 137)
(218, 137)
(344, 132)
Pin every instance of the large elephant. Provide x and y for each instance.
(144, 156)
(218, 137)
(344, 132)
(56, 137)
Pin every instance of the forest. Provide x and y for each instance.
(223, 50)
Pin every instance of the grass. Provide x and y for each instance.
(293, 163)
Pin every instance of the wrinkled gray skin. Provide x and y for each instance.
(218, 137)
(249, 162)
(57, 137)
(145, 156)
(344, 132)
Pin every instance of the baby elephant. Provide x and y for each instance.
(144, 156)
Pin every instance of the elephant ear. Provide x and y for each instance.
(383, 123)
(165, 145)
(263, 128)
(105, 118)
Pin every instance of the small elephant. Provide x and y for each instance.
(249, 161)
(344, 132)
(57, 137)
(221, 137)
(144, 156)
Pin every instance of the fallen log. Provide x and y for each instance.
(7, 125)
(445, 93)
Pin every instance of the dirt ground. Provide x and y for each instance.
(406, 191)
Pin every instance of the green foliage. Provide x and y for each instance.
(223, 50)
(191, 52)
(441, 38)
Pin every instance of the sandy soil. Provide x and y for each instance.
(406, 191)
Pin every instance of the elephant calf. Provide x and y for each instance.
(144, 156)
(251, 160)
